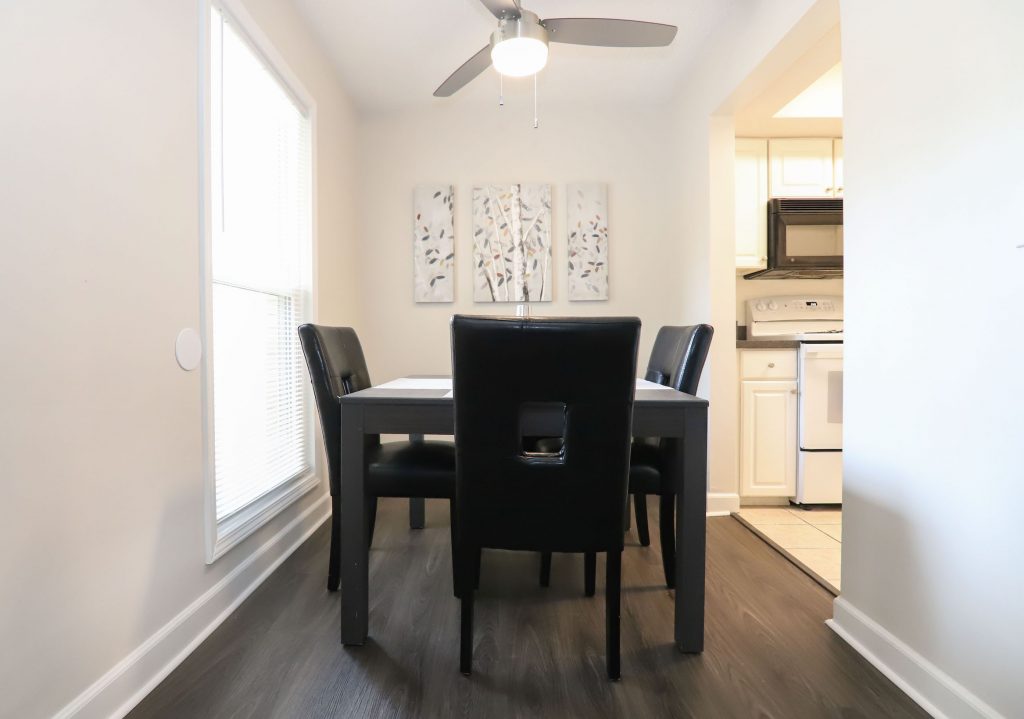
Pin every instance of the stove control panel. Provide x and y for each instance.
(794, 308)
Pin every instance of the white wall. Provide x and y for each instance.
(932, 104)
(463, 143)
(101, 527)
(934, 411)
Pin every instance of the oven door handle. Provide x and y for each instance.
(824, 354)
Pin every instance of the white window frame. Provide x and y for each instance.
(225, 534)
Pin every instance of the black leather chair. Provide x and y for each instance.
(394, 469)
(517, 378)
(677, 361)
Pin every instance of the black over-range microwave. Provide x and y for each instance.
(805, 239)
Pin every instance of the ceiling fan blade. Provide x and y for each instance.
(607, 32)
(469, 70)
(502, 8)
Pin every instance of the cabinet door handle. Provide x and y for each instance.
(839, 189)
(771, 365)
(828, 189)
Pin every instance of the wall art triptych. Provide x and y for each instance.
(511, 236)
(434, 243)
(512, 243)
(587, 228)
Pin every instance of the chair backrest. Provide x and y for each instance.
(572, 376)
(678, 357)
(337, 367)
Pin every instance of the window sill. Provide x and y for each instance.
(233, 529)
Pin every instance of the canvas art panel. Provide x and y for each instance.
(587, 230)
(512, 243)
(434, 243)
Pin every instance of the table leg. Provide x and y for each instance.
(417, 505)
(354, 549)
(417, 513)
(690, 464)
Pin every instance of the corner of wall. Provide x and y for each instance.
(122, 687)
(937, 692)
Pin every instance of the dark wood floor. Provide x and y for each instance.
(539, 653)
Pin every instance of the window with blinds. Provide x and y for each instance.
(260, 266)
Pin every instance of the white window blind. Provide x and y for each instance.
(261, 262)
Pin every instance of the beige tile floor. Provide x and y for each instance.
(810, 538)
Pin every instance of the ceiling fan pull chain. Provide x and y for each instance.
(536, 122)
(501, 90)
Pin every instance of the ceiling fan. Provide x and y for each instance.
(519, 47)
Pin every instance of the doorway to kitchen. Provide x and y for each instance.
(788, 242)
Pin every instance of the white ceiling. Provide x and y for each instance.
(394, 53)
(822, 98)
(758, 117)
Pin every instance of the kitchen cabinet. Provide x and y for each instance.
(751, 203)
(768, 423)
(783, 167)
(801, 167)
(806, 167)
(837, 167)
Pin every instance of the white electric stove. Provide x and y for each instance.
(817, 323)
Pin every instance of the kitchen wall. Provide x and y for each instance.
(465, 143)
(102, 551)
(932, 543)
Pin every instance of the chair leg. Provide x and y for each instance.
(477, 561)
(642, 529)
(371, 519)
(417, 513)
(455, 548)
(667, 520)
(467, 559)
(612, 598)
(590, 573)
(333, 572)
(545, 569)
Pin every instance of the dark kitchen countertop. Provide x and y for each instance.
(743, 343)
(767, 344)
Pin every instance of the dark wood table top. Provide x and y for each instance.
(403, 390)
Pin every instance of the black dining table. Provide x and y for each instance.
(424, 405)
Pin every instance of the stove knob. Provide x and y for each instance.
(759, 307)
(772, 306)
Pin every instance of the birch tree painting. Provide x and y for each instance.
(512, 243)
(433, 243)
(587, 227)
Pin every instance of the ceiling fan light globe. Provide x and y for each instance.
(519, 56)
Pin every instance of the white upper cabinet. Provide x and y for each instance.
(837, 167)
(784, 167)
(801, 167)
(751, 203)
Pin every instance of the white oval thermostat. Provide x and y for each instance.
(188, 349)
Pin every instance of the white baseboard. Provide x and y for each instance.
(722, 504)
(118, 691)
(938, 693)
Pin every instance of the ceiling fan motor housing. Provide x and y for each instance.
(527, 25)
